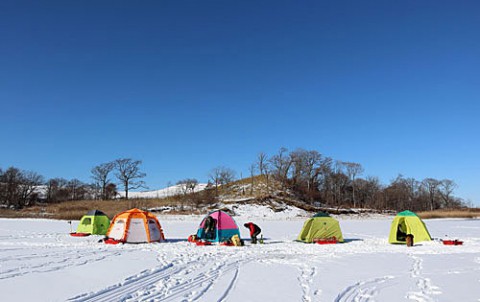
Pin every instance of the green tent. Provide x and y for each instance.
(320, 226)
(406, 223)
(94, 222)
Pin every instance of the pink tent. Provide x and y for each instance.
(225, 227)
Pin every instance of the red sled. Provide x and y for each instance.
(326, 241)
(112, 241)
(452, 242)
(227, 243)
(202, 243)
(79, 234)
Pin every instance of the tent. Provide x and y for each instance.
(94, 222)
(135, 226)
(320, 226)
(223, 228)
(407, 222)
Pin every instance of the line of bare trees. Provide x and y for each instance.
(20, 188)
(17, 187)
(311, 176)
(320, 180)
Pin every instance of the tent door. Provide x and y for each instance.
(137, 231)
(154, 231)
(118, 229)
(401, 230)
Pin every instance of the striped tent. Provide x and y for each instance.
(135, 226)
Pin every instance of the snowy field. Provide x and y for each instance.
(41, 262)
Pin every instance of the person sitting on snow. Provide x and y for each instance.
(254, 231)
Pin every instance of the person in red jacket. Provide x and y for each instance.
(254, 231)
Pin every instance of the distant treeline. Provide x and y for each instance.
(310, 176)
(20, 188)
(317, 179)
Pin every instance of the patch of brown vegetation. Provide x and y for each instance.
(74, 210)
(456, 213)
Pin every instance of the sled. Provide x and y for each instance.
(452, 242)
(203, 243)
(79, 234)
(332, 240)
(112, 241)
(227, 243)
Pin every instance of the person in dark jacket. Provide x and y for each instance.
(209, 227)
(254, 231)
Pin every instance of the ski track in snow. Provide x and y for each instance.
(187, 278)
(181, 280)
(49, 261)
(426, 290)
(364, 291)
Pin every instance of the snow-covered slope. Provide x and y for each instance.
(169, 191)
(41, 262)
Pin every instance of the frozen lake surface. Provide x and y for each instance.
(41, 262)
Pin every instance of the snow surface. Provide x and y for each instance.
(41, 262)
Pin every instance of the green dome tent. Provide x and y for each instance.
(94, 222)
(406, 223)
(320, 226)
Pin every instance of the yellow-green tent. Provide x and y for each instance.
(94, 222)
(406, 223)
(320, 226)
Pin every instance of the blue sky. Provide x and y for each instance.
(186, 86)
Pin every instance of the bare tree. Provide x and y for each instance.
(281, 164)
(100, 175)
(353, 169)
(17, 187)
(187, 186)
(261, 162)
(446, 189)
(56, 190)
(220, 176)
(11, 180)
(431, 185)
(340, 182)
(129, 175)
(76, 189)
(227, 175)
(30, 182)
(214, 175)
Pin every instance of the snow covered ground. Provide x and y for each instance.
(39, 261)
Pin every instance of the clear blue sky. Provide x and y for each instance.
(186, 86)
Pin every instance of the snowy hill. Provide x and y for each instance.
(162, 193)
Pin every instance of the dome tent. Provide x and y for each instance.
(320, 226)
(224, 227)
(406, 223)
(94, 222)
(135, 226)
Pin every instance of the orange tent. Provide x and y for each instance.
(135, 226)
